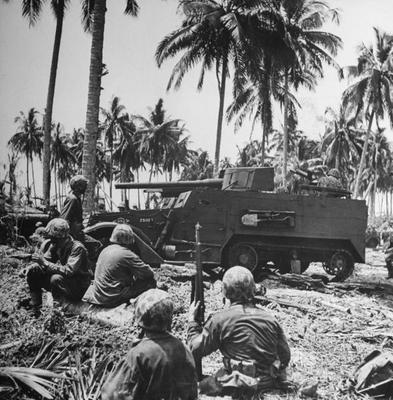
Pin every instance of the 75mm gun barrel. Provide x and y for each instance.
(211, 183)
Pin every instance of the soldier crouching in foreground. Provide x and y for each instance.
(158, 366)
(120, 274)
(255, 350)
(60, 267)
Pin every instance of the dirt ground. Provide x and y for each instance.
(329, 335)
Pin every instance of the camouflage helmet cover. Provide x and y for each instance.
(57, 228)
(122, 234)
(78, 182)
(238, 284)
(334, 172)
(154, 310)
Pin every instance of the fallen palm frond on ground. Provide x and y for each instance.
(36, 379)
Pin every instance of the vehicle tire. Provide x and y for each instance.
(341, 265)
(243, 254)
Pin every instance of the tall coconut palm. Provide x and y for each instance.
(198, 166)
(62, 160)
(115, 121)
(28, 141)
(303, 47)
(127, 155)
(342, 141)
(31, 10)
(370, 94)
(95, 15)
(158, 136)
(212, 34)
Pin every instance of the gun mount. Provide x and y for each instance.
(243, 222)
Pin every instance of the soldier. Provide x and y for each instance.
(158, 366)
(332, 180)
(389, 256)
(60, 267)
(254, 346)
(72, 210)
(120, 274)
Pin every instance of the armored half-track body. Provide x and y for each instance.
(243, 222)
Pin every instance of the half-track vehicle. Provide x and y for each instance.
(244, 222)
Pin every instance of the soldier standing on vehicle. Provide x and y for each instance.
(158, 366)
(253, 344)
(332, 180)
(120, 274)
(60, 267)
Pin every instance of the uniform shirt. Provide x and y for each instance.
(71, 261)
(72, 210)
(157, 367)
(116, 270)
(243, 332)
(330, 182)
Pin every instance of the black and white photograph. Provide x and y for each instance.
(196, 199)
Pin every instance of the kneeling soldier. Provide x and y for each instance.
(60, 266)
(158, 366)
(253, 344)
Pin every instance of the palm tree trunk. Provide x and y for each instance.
(139, 193)
(93, 102)
(27, 179)
(33, 179)
(56, 194)
(266, 101)
(220, 114)
(285, 138)
(49, 104)
(363, 157)
(111, 177)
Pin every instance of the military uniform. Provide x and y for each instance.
(157, 367)
(67, 275)
(247, 334)
(330, 182)
(72, 212)
(119, 276)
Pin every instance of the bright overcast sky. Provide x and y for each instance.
(130, 43)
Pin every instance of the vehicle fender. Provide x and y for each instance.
(148, 254)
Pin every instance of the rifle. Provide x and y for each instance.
(198, 295)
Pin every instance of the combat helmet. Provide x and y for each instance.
(154, 310)
(78, 183)
(335, 173)
(57, 228)
(238, 284)
(122, 234)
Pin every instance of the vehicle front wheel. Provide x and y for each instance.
(341, 265)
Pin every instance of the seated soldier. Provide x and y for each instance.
(158, 366)
(60, 266)
(120, 274)
(253, 344)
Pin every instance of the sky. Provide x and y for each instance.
(129, 46)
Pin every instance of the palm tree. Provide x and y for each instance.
(198, 166)
(212, 33)
(28, 140)
(113, 127)
(32, 10)
(370, 95)
(127, 155)
(95, 15)
(158, 137)
(342, 140)
(62, 160)
(302, 47)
